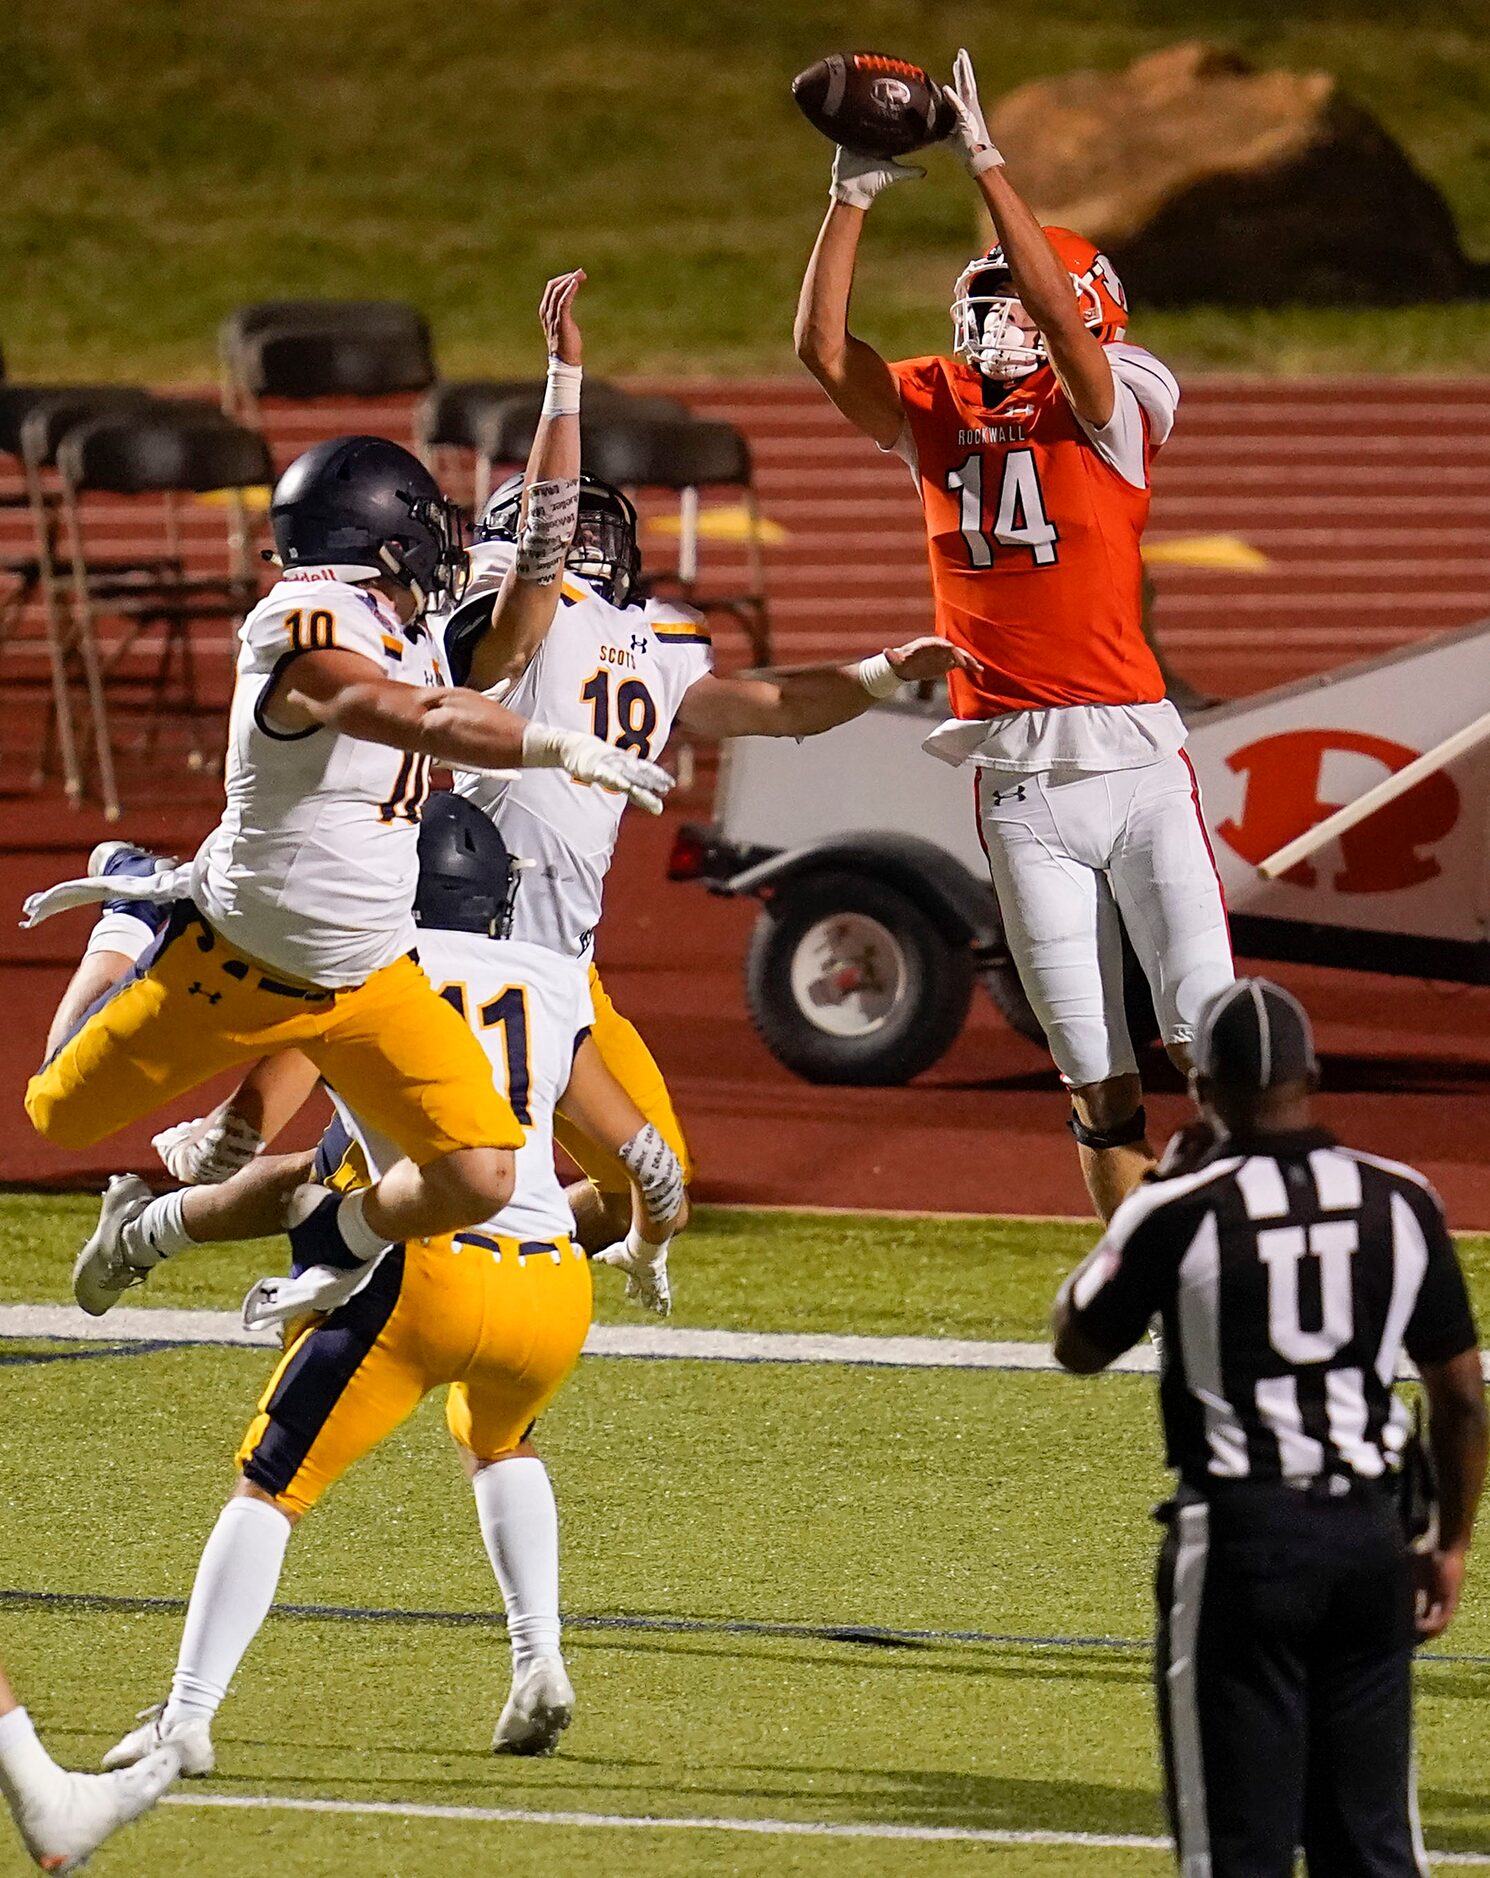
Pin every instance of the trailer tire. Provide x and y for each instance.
(848, 980)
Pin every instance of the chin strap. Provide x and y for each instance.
(1121, 1135)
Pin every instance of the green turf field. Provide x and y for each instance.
(162, 163)
(698, 1499)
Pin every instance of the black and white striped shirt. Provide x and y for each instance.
(1290, 1274)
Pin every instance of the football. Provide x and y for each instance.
(877, 106)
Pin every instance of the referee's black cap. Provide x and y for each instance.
(1254, 1035)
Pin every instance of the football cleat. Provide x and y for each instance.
(123, 858)
(65, 1823)
(539, 1709)
(190, 1741)
(102, 1273)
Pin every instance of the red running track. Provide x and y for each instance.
(1407, 1072)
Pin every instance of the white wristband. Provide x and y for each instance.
(877, 676)
(561, 392)
(543, 746)
(990, 157)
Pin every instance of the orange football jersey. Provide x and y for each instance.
(1034, 543)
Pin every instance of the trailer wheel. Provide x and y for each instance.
(848, 981)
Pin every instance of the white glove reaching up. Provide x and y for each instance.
(320, 1289)
(209, 1150)
(858, 179)
(645, 1267)
(589, 760)
(970, 133)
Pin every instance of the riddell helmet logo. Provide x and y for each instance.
(1388, 851)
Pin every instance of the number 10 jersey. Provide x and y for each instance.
(620, 673)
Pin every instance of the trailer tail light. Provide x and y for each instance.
(692, 851)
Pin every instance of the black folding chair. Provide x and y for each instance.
(156, 454)
(303, 349)
(493, 420)
(32, 420)
(684, 458)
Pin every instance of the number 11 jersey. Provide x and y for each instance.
(1033, 524)
(619, 673)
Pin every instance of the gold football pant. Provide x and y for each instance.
(392, 1048)
(501, 1322)
(635, 1068)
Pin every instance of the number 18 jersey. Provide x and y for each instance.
(620, 673)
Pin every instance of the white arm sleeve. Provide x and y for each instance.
(1142, 387)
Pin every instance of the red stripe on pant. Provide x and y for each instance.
(1205, 835)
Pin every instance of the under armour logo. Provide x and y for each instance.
(1000, 796)
(638, 644)
(196, 989)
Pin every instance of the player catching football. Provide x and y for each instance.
(1031, 449)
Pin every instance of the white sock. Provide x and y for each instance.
(26, 1769)
(236, 1583)
(159, 1232)
(520, 1525)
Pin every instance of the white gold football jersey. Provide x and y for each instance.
(529, 1009)
(313, 865)
(619, 673)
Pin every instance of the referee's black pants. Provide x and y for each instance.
(1284, 1672)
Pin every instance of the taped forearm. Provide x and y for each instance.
(548, 528)
(657, 1172)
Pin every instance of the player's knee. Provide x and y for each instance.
(1109, 1114)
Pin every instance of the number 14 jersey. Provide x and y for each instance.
(1033, 524)
(619, 673)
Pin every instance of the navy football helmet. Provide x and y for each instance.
(604, 550)
(467, 879)
(366, 502)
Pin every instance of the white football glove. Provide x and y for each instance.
(589, 760)
(319, 1289)
(970, 133)
(226, 1143)
(858, 179)
(645, 1267)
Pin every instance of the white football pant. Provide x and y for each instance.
(1075, 858)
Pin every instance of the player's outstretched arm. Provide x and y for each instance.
(597, 1104)
(214, 1147)
(345, 692)
(802, 703)
(852, 373)
(529, 595)
(1043, 284)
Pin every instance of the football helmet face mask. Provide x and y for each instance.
(604, 550)
(371, 507)
(996, 336)
(467, 879)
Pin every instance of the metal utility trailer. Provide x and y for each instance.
(877, 917)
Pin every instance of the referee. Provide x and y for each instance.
(1290, 1274)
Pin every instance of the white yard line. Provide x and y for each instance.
(126, 1324)
(771, 1828)
(653, 1342)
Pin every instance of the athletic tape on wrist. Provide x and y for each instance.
(561, 390)
(878, 676)
(657, 1172)
(989, 158)
(548, 528)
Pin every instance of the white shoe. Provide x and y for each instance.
(71, 1819)
(538, 1710)
(102, 1273)
(190, 1741)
